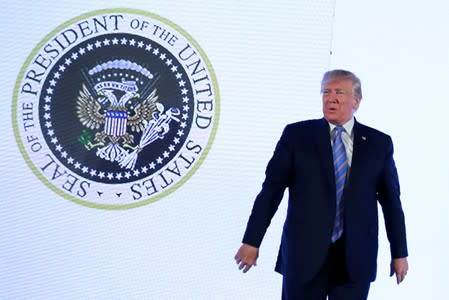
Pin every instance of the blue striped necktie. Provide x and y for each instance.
(340, 170)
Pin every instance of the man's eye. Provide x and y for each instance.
(340, 92)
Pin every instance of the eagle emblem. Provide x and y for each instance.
(115, 111)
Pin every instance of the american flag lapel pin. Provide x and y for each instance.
(363, 137)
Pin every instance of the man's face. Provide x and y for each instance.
(339, 102)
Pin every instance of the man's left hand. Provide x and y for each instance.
(399, 266)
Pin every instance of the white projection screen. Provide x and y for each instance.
(158, 210)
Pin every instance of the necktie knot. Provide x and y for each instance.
(339, 129)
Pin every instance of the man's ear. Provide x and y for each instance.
(356, 102)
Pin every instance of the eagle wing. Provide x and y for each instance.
(143, 112)
(88, 110)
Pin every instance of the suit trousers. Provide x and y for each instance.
(331, 281)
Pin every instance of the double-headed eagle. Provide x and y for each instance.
(94, 112)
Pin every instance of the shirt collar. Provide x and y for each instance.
(348, 126)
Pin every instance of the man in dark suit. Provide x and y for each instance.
(336, 171)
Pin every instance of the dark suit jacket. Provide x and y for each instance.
(303, 163)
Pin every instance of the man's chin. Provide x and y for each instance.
(330, 118)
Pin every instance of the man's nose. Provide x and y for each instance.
(332, 98)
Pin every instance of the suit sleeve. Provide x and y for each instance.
(277, 177)
(389, 198)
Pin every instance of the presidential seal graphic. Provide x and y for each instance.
(116, 108)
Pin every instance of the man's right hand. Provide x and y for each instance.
(246, 257)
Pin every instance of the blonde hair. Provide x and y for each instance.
(338, 75)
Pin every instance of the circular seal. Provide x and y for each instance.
(116, 108)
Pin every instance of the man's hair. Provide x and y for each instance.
(337, 75)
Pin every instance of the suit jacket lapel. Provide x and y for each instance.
(359, 152)
(324, 150)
